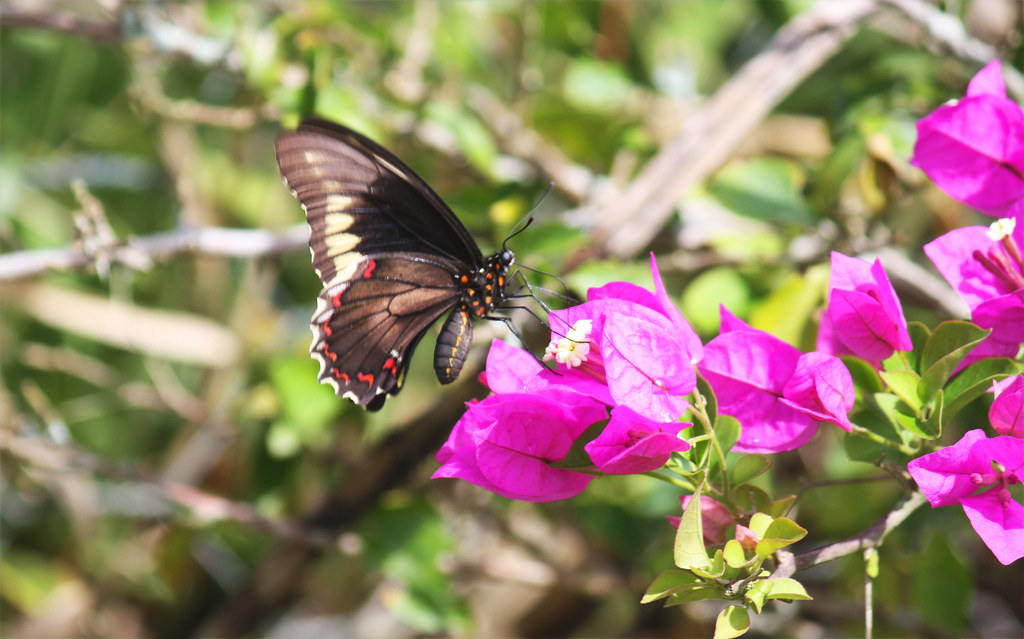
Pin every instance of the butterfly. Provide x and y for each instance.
(393, 258)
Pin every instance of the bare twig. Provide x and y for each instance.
(216, 241)
(627, 222)
(576, 181)
(872, 537)
(204, 507)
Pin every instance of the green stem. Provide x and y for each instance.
(675, 480)
(699, 405)
(878, 439)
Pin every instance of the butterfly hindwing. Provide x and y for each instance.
(364, 329)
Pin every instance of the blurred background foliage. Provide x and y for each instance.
(171, 468)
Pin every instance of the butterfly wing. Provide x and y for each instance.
(365, 329)
(388, 250)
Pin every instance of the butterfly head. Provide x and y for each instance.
(506, 258)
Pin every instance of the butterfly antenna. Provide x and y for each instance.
(527, 219)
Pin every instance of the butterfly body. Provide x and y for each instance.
(393, 259)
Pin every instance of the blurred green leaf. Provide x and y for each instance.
(940, 585)
(714, 287)
(593, 85)
(764, 188)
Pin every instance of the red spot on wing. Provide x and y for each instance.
(336, 300)
(368, 273)
(326, 328)
(365, 377)
(389, 365)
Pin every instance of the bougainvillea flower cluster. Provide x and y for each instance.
(624, 359)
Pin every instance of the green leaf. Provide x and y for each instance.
(688, 550)
(951, 337)
(703, 295)
(748, 467)
(755, 595)
(919, 335)
(944, 351)
(899, 414)
(764, 188)
(704, 388)
(727, 432)
(865, 377)
(714, 570)
(785, 588)
(781, 533)
(667, 581)
(972, 381)
(751, 496)
(733, 554)
(732, 622)
(779, 507)
(696, 592)
(577, 456)
(759, 523)
(904, 384)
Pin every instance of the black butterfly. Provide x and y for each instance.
(392, 257)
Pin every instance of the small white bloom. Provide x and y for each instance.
(1001, 228)
(571, 350)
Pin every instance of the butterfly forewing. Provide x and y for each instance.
(391, 255)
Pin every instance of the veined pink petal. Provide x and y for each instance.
(647, 366)
(945, 476)
(954, 256)
(999, 521)
(748, 370)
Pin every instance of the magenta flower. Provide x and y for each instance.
(973, 149)
(1007, 410)
(955, 474)
(631, 443)
(864, 316)
(777, 393)
(629, 347)
(984, 266)
(507, 442)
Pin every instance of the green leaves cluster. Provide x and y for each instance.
(734, 572)
(916, 394)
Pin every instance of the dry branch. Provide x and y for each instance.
(214, 241)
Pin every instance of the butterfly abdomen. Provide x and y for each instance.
(453, 345)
